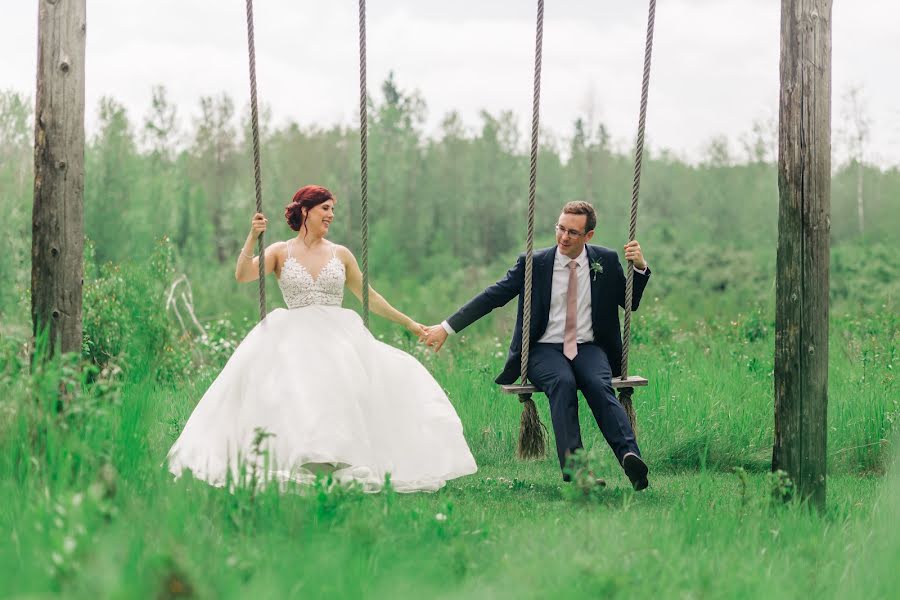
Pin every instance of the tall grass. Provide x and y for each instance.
(90, 510)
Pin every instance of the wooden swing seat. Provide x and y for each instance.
(631, 381)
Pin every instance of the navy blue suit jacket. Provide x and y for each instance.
(607, 295)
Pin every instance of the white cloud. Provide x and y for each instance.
(715, 65)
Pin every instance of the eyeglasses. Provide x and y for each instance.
(572, 233)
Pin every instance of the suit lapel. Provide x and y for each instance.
(596, 282)
(543, 282)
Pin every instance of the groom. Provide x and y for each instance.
(574, 339)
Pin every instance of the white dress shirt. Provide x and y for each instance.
(556, 326)
(559, 295)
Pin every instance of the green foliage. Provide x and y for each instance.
(53, 408)
(782, 487)
(125, 321)
(87, 485)
(91, 512)
(440, 204)
(16, 187)
(219, 340)
(583, 468)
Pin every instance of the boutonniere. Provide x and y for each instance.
(596, 269)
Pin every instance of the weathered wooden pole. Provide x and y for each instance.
(57, 223)
(804, 184)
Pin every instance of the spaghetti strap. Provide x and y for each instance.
(289, 248)
(334, 251)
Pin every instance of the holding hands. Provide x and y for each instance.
(417, 329)
(434, 337)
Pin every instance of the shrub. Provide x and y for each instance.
(125, 319)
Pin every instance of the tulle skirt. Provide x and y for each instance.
(310, 389)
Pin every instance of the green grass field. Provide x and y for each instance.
(90, 512)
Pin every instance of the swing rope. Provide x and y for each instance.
(363, 158)
(532, 190)
(364, 161)
(257, 175)
(532, 431)
(626, 393)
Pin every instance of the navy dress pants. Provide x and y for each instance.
(561, 379)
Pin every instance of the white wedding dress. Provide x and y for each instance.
(331, 396)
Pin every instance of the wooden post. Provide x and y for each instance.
(804, 184)
(57, 220)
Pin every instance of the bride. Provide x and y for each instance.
(310, 389)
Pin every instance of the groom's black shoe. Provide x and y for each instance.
(636, 469)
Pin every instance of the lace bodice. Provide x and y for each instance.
(300, 288)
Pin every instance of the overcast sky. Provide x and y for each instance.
(715, 62)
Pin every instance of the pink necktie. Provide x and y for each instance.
(570, 338)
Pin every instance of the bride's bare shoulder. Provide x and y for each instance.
(277, 248)
(342, 252)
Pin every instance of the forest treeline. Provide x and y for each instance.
(438, 203)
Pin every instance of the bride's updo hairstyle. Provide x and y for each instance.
(306, 197)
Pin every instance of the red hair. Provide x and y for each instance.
(306, 197)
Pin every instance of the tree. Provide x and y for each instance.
(857, 125)
(15, 122)
(163, 186)
(114, 211)
(16, 189)
(215, 165)
(161, 125)
(58, 213)
(761, 143)
(395, 164)
(801, 288)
